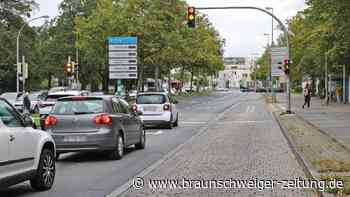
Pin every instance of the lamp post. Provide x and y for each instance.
(268, 61)
(272, 83)
(18, 36)
(270, 8)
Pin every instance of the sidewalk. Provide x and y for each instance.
(334, 119)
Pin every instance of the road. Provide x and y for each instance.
(93, 175)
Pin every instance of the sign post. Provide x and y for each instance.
(123, 59)
(278, 55)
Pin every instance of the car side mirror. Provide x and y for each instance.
(28, 121)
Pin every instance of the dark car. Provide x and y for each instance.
(95, 123)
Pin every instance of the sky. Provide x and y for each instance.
(243, 30)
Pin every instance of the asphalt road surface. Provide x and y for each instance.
(93, 175)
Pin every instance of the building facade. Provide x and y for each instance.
(237, 73)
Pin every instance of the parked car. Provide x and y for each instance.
(95, 123)
(36, 99)
(11, 96)
(25, 153)
(157, 109)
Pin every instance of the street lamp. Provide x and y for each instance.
(270, 8)
(268, 61)
(18, 36)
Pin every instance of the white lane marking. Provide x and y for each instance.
(194, 122)
(247, 109)
(155, 133)
(252, 109)
(244, 122)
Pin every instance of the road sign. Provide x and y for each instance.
(122, 57)
(120, 75)
(278, 55)
(122, 68)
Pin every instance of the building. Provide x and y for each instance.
(236, 73)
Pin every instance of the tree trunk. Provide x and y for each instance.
(156, 77)
(50, 81)
(191, 86)
(169, 82)
(182, 78)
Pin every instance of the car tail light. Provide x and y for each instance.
(167, 107)
(103, 119)
(50, 121)
(134, 108)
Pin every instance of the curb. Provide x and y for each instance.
(300, 159)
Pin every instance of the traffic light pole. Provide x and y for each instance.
(285, 30)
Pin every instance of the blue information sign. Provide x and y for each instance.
(122, 40)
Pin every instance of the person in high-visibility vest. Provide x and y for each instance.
(36, 118)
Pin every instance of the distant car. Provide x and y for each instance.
(95, 123)
(157, 109)
(25, 153)
(36, 99)
(58, 89)
(11, 96)
(221, 89)
(52, 98)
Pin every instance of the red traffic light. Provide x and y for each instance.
(286, 62)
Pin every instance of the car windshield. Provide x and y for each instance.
(70, 107)
(55, 97)
(151, 99)
(10, 96)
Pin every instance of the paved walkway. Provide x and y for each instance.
(333, 119)
(245, 143)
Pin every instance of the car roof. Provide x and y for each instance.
(104, 97)
(69, 92)
(145, 93)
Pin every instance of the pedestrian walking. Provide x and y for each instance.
(26, 103)
(307, 96)
(338, 93)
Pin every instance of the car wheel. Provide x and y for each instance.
(169, 125)
(176, 123)
(45, 174)
(142, 143)
(118, 152)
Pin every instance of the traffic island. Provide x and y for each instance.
(322, 156)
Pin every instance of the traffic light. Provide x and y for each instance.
(191, 17)
(68, 68)
(286, 65)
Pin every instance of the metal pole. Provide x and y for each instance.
(77, 59)
(23, 77)
(17, 58)
(285, 30)
(344, 92)
(326, 77)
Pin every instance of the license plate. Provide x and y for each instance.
(150, 108)
(74, 139)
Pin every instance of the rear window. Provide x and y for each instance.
(151, 99)
(70, 107)
(56, 97)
